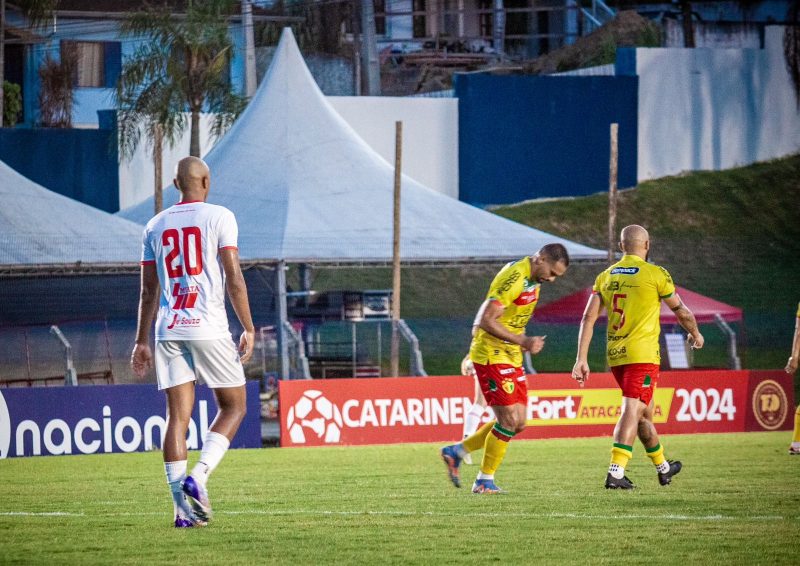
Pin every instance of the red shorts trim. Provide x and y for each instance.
(502, 384)
(637, 381)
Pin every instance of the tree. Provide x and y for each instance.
(180, 66)
(36, 11)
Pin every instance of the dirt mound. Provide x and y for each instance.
(628, 29)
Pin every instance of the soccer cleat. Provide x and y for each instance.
(622, 483)
(183, 522)
(674, 469)
(197, 496)
(486, 487)
(452, 459)
(794, 451)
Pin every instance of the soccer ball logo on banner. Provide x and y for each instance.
(313, 414)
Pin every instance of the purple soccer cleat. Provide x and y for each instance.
(197, 496)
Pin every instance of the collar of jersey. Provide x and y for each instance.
(188, 202)
(631, 257)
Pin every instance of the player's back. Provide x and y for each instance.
(183, 241)
(631, 291)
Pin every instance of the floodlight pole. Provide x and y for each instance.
(283, 319)
(612, 192)
(398, 157)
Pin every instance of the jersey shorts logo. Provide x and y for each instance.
(625, 271)
(508, 385)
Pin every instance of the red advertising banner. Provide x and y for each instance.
(431, 409)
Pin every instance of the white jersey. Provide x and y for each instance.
(183, 242)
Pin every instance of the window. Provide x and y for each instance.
(96, 64)
(419, 19)
(380, 17)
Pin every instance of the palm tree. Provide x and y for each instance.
(180, 66)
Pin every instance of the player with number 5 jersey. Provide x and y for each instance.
(631, 291)
(190, 260)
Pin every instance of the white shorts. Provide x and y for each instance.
(213, 362)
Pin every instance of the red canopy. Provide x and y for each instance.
(569, 309)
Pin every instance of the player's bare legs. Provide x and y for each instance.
(652, 445)
(180, 400)
(232, 406)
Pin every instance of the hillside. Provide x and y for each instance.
(732, 235)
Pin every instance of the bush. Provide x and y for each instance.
(12, 103)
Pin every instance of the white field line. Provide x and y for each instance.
(524, 515)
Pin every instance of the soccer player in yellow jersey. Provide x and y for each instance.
(496, 353)
(631, 291)
(791, 367)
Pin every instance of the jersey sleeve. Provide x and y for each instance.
(507, 285)
(228, 231)
(664, 284)
(148, 254)
(597, 288)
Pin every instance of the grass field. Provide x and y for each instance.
(737, 501)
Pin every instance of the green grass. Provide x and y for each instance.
(737, 501)
(732, 235)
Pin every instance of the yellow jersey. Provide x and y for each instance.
(631, 291)
(513, 288)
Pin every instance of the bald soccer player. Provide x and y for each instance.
(190, 259)
(631, 291)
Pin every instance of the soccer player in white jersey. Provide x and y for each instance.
(189, 259)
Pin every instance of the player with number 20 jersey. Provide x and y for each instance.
(187, 237)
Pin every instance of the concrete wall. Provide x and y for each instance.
(430, 134)
(712, 109)
(527, 137)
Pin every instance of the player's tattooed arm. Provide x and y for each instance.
(687, 321)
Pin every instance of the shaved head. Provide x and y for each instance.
(192, 178)
(634, 239)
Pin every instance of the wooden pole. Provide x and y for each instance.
(612, 193)
(398, 158)
(158, 156)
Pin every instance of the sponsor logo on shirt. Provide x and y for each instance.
(183, 321)
(625, 271)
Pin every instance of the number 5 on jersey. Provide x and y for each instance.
(617, 308)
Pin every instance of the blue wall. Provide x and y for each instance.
(80, 164)
(526, 137)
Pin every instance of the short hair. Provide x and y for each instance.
(556, 253)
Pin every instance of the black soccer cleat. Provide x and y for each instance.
(674, 469)
(622, 483)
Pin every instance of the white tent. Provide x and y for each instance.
(41, 228)
(306, 188)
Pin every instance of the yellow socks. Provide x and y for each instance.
(495, 449)
(796, 435)
(656, 454)
(620, 454)
(478, 439)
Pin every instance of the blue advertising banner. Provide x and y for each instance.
(45, 421)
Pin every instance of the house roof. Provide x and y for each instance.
(306, 188)
(569, 309)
